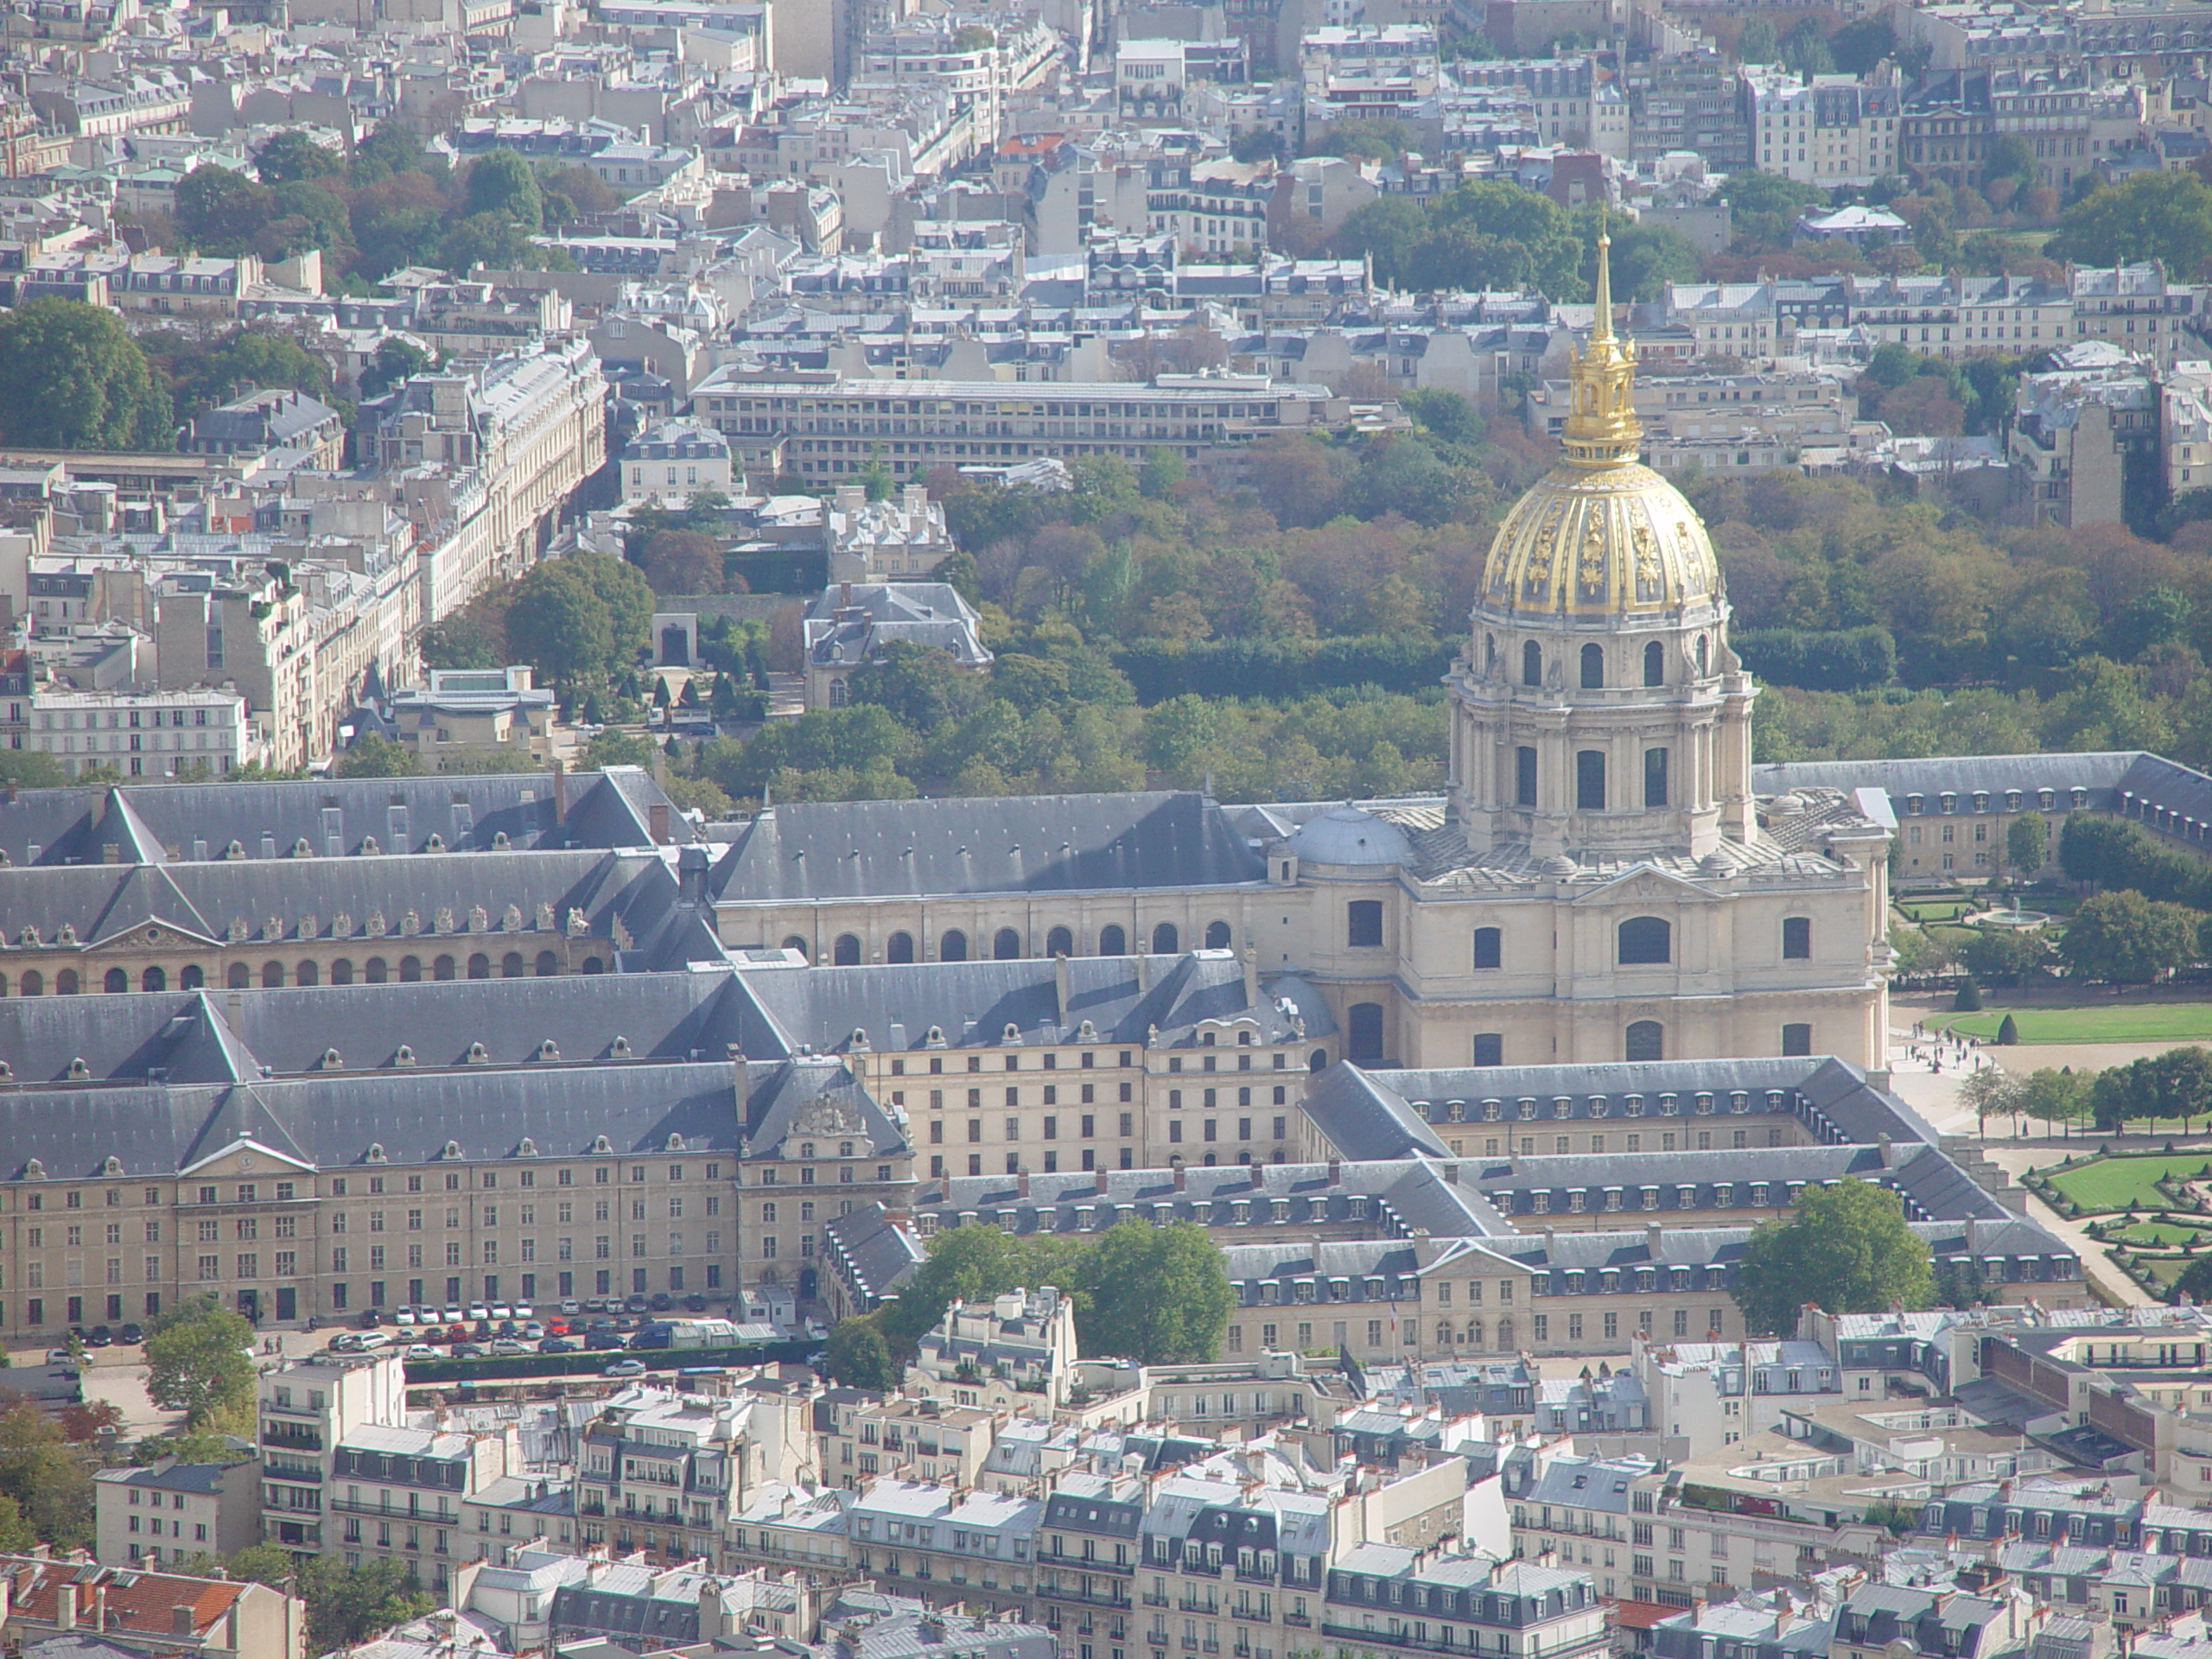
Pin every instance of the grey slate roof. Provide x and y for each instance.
(1034, 843)
(154, 823)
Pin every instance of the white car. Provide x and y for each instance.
(525, 1311)
(477, 1311)
(500, 1311)
(532, 1331)
(404, 1316)
(453, 1316)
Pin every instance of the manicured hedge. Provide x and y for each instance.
(1839, 659)
(1161, 669)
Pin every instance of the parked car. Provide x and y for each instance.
(132, 1335)
(371, 1318)
(453, 1316)
(509, 1328)
(100, 1336)
(404, 1316)
(60, 1356)
(558, 1326)
(478, 1311)
(696, 1302)
(532, 1331)
(502, 1311)
(510, 1346)
(468, 1350)
(662, 1302)
(423, 1351)
(557, 1346)
(524, 1312)
(626, 1368)
(636, 1305)
(598, 1340)
(571, 1307)
(345, 1341)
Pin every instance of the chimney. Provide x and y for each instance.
(100, 1608)
(656, 819)
(1100, 1185)
(560, 792)
(1060, 982)
(1335, 1171)
(1021, 1183)
(1651, 1240)
(1251, 978)
(181, 1622)
(1182, 1178)
(65, 1606)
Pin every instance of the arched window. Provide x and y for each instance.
(1797, 1039)
(1364, 923)
(1590, 780)
(1532, 663)
(1217, 936)
(341, 971)
(511, 966)
(1317, 1060)
(272, 975)
(1165, 941)
(1593, 667)
(1646, 1040)
(479, 965)
(443, 968)
(193, 977)
(899, 948)
(1797, 938)
(1655, 663)
(64, 983)
(953, 947)
(1112, 941)
(307, 973)
(1363, 1032)
(794, 942)
(1646, 939)
(239, 976)
(1488, 947)
(1006, 944)
(1475, 1333)
(410, 970)
(374, 972)
(154, 979)
(594, 965)
(1489, 1048)
(548, 966)
(1059, 943)
(846, 953)
(33, 983)
(1505, 1333)
(118, 979)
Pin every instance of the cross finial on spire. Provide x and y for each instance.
(1601, 325)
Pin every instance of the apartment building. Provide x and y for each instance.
(981, 77)
(175, 1512)
(925, 1438)
(821, 426)
(145, 734)
(304, 1407)
(465, 716)
(132, 1611)
(676, 461)
(664, 1472)
(1017, 1350)
(1365, 72)
(1831, 130)
(2085, 442)
(2140, 310)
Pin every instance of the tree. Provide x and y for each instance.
(49, 1479)
(1988, 1093)
(374, 756)
(221, 212)
(2155, 215)
(2008, 1032)
(2195, 1282)
(72, 377)
(857, 1357)
(1159, 1295)
(2125, 939)
(491, 240)
(2052, 1095)
(504, 183)
(263, 1564)
(397, 360)
(348, 1605)
(1387, 231)
(559, 623)
(2027, 842)
(1848, 1249)
(289, 157)
(391, 149)
(683, 562)
(197, 1360)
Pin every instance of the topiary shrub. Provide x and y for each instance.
(1968, 998)
(2008, 1033)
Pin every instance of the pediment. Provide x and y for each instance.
(1647, 884)
(248, 1157)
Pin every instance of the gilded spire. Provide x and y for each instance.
(1602, 429)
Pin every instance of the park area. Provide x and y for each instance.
(2105, 1020)
(2102, 1185)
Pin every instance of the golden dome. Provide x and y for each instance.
(1601, 533)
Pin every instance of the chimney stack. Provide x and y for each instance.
(65, 1606)
(180, 1620)
(656, 821)
(560, 792)
(1182, 1178)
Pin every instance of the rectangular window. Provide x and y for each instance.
(1524, 777)
(1489, 1048)
(1797, 938)
(1364, 923)
(1489, 950)
(1655, 776)
(1590, 780)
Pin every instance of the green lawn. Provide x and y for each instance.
(2159, 1234)
(1941, 910)
(2165, 1270)
(2120, 1020)
(2110, 1183)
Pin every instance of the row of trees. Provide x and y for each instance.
(1153, 1294)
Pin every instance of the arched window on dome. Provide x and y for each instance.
(1704, 655)
(1532, 663)
(1593, 667)
(1655, 663)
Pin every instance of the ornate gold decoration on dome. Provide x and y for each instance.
(1601, 427)
(1647, 552)
(1592, 571)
